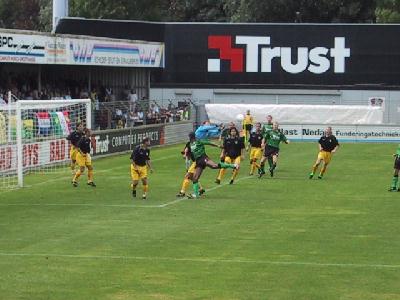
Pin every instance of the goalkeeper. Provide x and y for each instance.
(208, 131)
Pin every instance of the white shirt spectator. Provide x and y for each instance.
(132, 98)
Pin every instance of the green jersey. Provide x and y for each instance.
(197, 148)
(274, 137)
(265, 128)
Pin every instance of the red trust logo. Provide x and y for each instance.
(226, 52)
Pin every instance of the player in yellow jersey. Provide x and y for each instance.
(83, 159)
(247, 125)
(140, 162)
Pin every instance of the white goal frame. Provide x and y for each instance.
(22, 105)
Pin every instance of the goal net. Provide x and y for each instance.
(33, 138)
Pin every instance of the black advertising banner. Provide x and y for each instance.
(221, 54)
(282, 54)
(114, 141)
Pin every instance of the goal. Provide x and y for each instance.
(33, 138)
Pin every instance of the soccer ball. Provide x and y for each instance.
(239, 117)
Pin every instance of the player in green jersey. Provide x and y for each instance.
(271, 142)
(268, 126)
(394, 187)
(197, 148)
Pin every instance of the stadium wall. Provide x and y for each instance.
(391, 103)
(116, 141)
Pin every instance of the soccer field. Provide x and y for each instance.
(285, 237)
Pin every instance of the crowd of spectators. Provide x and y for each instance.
(110, 109)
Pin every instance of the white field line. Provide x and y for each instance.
(120, 205)
(207, 191)
(204, 260)
(96, 172)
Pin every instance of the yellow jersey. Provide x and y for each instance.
(248, 120)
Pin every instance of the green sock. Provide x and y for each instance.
(394, 181)
(226, 166)
(262, 166)
(196, 189)
(270, 162)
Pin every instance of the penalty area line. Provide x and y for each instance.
(119, 205)
(70, 176)
(204, 260)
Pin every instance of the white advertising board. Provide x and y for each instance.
(344, 133)
(59, 49)
(298, 114)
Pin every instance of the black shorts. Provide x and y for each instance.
(201, 162)
(397, 162)
(248, 127)
(270, 151)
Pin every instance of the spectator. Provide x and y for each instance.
(132, 99)
(2, 101)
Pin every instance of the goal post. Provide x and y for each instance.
(36, 132)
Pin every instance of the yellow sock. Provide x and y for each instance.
(77, 175)
(314, 169)
(253, 167)
(257, 165)
(73, 164)
(185, 185)
(234, 174)
(145, 188)
(221, 174)
(90, 175)
(323, 170)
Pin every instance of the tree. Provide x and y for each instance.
(308, 11)
(19, 14)
(197, 11)
(388, 11)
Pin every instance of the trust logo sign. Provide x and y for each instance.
(257, 55)
(224, 44)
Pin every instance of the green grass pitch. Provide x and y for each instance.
(285, 237)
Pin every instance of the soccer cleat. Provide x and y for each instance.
(134, 193)
(217, 181)
(144, 197)
(92, 184)
(231, 182)
(180, 195)
(271, 172)
(319, 176)
(202, 191)
(236, 166)
(393, 189)
(192, 196)
(311, 176)
(74, 184)
(261, 172)
(251, 174)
